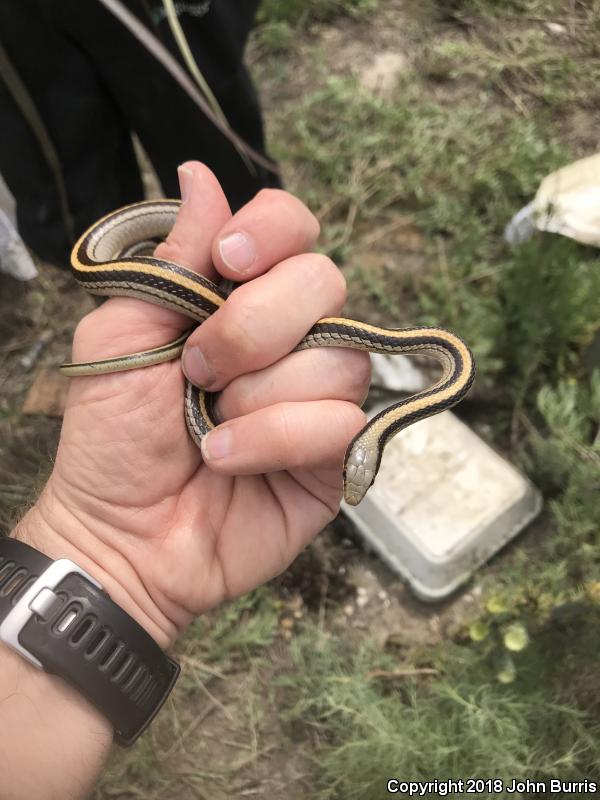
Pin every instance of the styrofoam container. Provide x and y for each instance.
(442, 504)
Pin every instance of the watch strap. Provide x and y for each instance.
(80, 634)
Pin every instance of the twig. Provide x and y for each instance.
(203, 666)
(529, 18)
(585, 453)
(443, 260)
(401, 673)
(186, 53)
(245, 762)
(218, 703)
(514, 98)
(189, 730)
(485, 273)
(161, 54)
(29, 358)
(349, 224)
(227, 742)
(378, 233)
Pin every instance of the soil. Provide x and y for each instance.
(335, 576)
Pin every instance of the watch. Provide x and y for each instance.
(59, 618)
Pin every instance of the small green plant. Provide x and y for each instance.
(277, 36)
(500, 633)
(243, 627)
(298, 13)
(278, 22)
(565, 458)
(460, 723)
(523, 66)
(567, 464)
(545, 292)
(463, 8)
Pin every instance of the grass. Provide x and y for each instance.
(475, 123)
(279, 22)
(459, 725)
(300, 12)
(544, 9)
(461, 171)
(27, 443)
(461, 165)
(528, 51)
(221, 655)
(543, 74)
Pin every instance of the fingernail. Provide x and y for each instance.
(237, 251)
(196, 368)
(217, 444)
(186, 177)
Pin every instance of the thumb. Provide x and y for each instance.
(126, 324)
(203, 213)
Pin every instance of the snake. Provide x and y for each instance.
(114, 258)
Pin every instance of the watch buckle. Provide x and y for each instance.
(38, 600)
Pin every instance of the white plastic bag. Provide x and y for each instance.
(567, 202)
(14, 256)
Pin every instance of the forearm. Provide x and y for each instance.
(53, 742)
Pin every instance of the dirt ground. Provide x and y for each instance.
(335, 576)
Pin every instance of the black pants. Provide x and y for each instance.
(94, 84)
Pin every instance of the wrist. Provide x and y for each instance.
(44, 716)
(46, 723)
(50, 527)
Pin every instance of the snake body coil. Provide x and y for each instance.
(108, 260)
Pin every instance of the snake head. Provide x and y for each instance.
(360, 468)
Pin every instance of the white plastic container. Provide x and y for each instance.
(443, 503)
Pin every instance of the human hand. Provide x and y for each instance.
(171, 532)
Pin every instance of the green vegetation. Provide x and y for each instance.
(461, 171)
(545, 9)
(514, 692)
(461, 724)
(491, 101)
(221, 656)
(460, 166)
(301, 13)
(279, 21)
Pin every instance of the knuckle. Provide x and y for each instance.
(277, 197)
(281, 201)
(354, 419)
(172, 249)
(287, 449)
(237, 329)
(326, 277)
(85, 327)
(356, 374)
(241, 397)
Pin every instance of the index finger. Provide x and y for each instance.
(273, 226)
